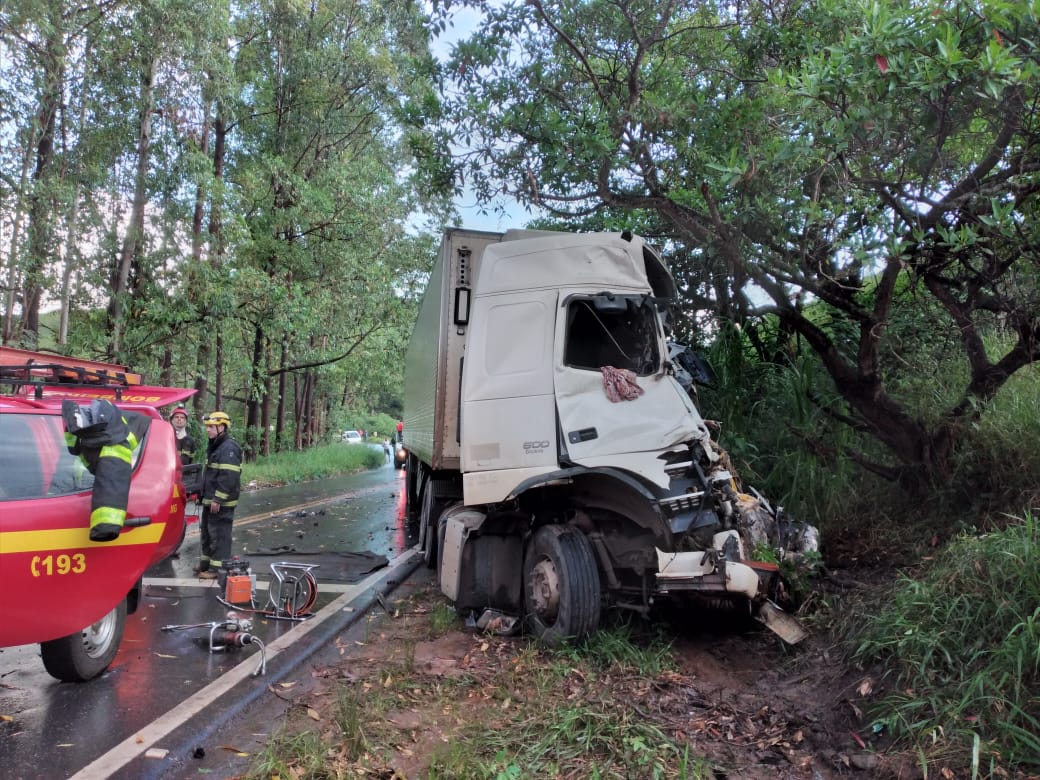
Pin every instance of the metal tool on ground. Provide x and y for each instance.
(232, 632)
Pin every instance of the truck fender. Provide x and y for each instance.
(458, 524)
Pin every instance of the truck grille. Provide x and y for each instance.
(674, 505)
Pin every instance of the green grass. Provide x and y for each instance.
(539, 713)
(325, 461)
(961, 644)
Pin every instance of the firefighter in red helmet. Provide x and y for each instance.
(185, 441)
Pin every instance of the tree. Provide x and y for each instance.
(859, 159)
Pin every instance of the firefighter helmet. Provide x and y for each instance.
(179, 410)
(217, 418)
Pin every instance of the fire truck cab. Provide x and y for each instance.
(62, 590)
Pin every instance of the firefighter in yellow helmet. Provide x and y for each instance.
(221, 480)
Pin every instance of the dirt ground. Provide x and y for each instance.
(752, 706)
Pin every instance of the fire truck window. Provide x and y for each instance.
(622, 339)
(21, 470)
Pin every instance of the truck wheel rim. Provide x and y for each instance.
(545, 590)
(96, 638)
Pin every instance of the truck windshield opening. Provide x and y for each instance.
(618, 331)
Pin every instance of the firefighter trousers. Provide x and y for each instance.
(215, 530)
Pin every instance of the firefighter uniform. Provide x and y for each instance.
(185, 441)
(104, 438)
(186, 449)
(221, 481)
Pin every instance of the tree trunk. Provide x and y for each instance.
(256, 375)
(42, 209)
(13, 270)
(265, 406)
(216, 249)
(135, 230)
(279, 426)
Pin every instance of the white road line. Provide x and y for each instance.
(146, 737)
(192, 582)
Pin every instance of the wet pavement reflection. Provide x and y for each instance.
(52, 729)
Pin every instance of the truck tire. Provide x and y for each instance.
(86, 654)
(432, 507)
(411, 486)
(561, 585)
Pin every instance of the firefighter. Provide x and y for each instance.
(221, 480)
(104, 438)
(185, 441)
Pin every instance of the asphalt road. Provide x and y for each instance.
(166, 687)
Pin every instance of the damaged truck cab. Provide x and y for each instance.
(556, 465)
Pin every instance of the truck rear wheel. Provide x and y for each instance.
(86, 654)
(429, 517)
(561, 585)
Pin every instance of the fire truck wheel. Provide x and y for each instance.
(561, 585)
(86, 654)
(176, 551)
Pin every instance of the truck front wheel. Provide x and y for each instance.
(561, 585)
(86, 654)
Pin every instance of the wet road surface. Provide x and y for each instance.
(50, 729)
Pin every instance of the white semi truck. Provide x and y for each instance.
(555, 465)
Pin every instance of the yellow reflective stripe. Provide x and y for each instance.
(118, 451)
(107, 514)
(74, 539)
(224, 466)
(226, 504)
(220, 494)
(70, 440)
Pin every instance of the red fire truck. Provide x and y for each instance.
(68, 593)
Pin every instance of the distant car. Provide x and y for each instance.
(352, 437)
(400, 455)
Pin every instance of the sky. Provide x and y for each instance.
(505, 212)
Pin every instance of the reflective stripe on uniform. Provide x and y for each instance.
(225, 466)
(118, 451)
(107, 514)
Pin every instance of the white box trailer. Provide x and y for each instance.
(556, 466)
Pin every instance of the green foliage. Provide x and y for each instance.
(837, 179)
(961, 642)
(289, 236)
(314, 463)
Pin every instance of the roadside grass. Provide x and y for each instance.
(316, 463)
(960, 641)
(526, 712)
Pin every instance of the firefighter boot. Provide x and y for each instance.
(104, 532)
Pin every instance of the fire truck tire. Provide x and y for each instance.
(176, 551)
(86, 654)
(561, 585)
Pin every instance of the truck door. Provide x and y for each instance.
(508, 409)
(649, 412)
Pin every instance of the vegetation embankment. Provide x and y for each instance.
(315, 463)
(937, 686)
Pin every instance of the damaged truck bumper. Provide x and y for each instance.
(711, 573)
